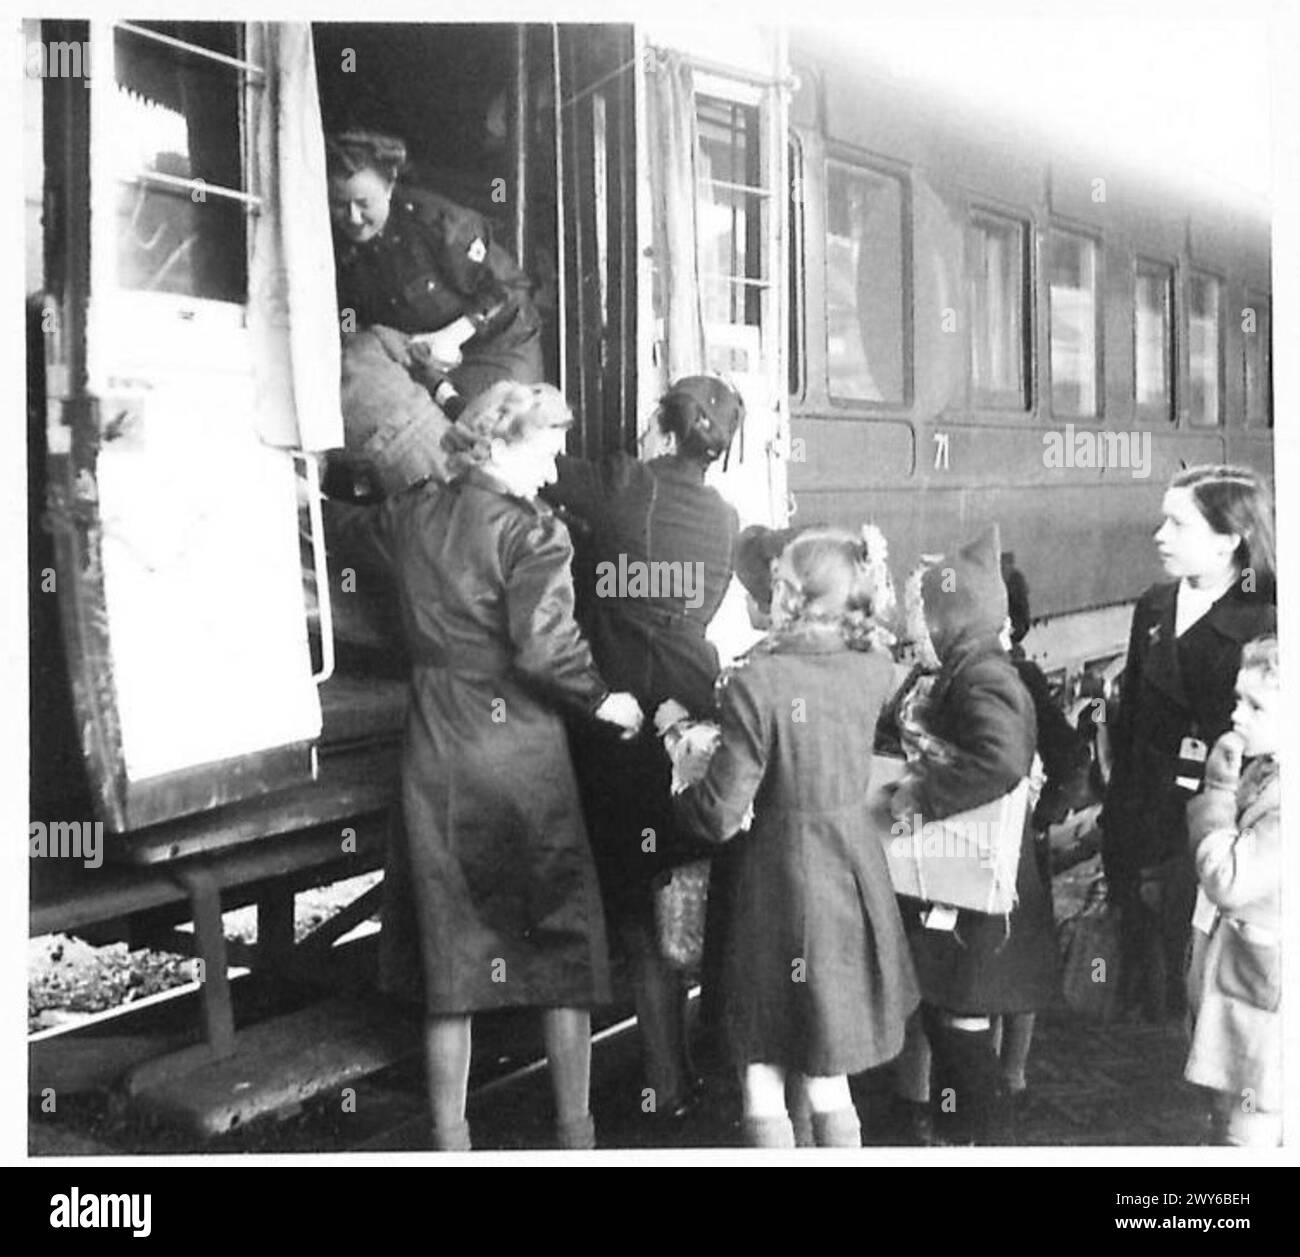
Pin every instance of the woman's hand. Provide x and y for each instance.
(623, 710)
(440, 350)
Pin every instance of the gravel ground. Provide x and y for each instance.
(68, 979)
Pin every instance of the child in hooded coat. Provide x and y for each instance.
(974, 735)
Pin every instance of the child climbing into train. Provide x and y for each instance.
(1234, 981)
(816, 979)
(1176, 701)
(969, 729)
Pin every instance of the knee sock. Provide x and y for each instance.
(967, 1079)
(840, 1129)
(768, 1132)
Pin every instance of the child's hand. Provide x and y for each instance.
(669, 713)
(1223, 767)
(903, 803)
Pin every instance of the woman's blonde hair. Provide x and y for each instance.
(509, 412)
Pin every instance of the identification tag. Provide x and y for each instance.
(1205, 914)
(1192, 753)
(941, 916)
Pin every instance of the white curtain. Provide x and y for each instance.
(292, 306)
(674, 155)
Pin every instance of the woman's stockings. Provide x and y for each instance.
(446, 1057)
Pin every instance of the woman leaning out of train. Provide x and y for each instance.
(970, 730)
(816, 978)
(1176, 700)
(1234, 985)
(426, 298)
(655, 545)
(507, 905)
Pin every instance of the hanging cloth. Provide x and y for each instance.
(292, 306)
(675, 162)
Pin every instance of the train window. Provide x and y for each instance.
(1257, 332)
(866, 289)
(997, 253)
(1204, 350)
(1153, 341)
(731, 231)
(177, 155)
(1072, 303)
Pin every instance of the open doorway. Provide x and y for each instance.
(475, 106)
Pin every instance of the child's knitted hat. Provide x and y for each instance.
(963, 594)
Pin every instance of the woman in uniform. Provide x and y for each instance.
(659, 547)
(507, 903)
(422, 290)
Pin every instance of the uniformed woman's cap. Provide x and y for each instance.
(711, 411)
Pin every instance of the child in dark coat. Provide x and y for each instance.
(972, 733)
(817, 980)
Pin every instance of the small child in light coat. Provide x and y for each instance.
(1234, 982)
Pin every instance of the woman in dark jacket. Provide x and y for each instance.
(658, 561)
(422, 290)
(1216, 542)
(974, 731)
(507, 901)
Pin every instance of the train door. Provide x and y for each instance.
(596, 168)
(713, 292)
(713, 217)
(188, 343)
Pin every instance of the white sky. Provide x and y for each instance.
(1183, 90)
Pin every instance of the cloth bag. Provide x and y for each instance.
(681, 895)
(1090, 948)
(681, 900)
(967, 860)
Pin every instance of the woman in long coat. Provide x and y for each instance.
(507, 901)
(657, 559)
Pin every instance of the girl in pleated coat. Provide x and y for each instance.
(817, 979)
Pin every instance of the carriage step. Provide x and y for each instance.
(276, 1067)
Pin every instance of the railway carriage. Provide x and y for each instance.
(914, 302)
